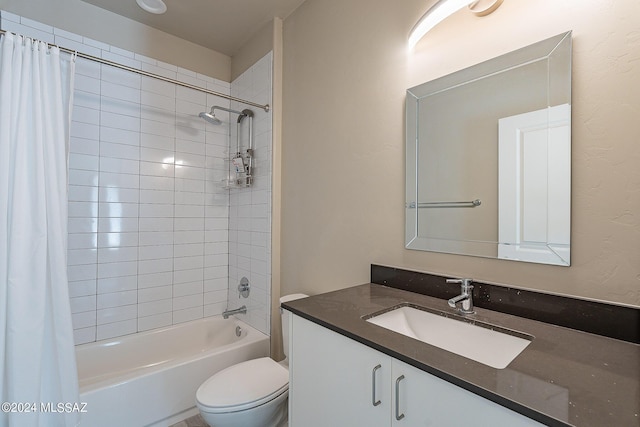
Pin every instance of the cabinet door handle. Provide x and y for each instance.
(399, 416)
(374, 402)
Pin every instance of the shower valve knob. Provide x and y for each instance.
(244, 288)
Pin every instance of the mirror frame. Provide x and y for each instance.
(557, 52)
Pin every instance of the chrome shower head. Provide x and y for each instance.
(210, 117)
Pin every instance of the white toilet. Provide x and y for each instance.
(249, 394)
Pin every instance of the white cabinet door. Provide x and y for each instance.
(337, 382)
(421, 399)
(333, 378)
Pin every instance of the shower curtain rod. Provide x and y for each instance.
(265, 107)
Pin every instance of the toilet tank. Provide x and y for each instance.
(285, 321)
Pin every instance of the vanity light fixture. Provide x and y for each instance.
(484, 7)
(442, 9)
(153, 6)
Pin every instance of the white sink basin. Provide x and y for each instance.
(479, 343)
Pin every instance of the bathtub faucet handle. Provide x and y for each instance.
(244, 288)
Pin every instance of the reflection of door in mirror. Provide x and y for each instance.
(535, 186)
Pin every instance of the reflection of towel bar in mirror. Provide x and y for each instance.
(471, 204)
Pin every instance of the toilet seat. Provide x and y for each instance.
(243, 386)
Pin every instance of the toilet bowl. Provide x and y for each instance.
(249, 394)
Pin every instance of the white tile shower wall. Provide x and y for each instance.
(148, 236)
(250, 208)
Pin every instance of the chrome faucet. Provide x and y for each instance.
(228, 313)
(466, 296)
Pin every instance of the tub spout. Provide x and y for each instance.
(228, 313)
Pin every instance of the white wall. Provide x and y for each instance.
(346, 70)
(250, 208)
(148, 208)
(80, 17)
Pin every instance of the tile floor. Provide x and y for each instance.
(195, 421)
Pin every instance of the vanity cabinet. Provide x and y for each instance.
(336, 381)
(332, 379)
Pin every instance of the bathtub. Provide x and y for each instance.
(151, 378)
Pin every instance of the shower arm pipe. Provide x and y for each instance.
(228, 110)
(238, 136)
(249, 113)
(265, 107)
(250, 150)
(241, 115)
(251, 133)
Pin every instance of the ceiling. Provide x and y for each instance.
(221, 25)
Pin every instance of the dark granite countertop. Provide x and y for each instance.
(564, 377)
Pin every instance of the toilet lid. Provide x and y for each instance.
(242, 386)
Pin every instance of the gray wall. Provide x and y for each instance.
(346, 69)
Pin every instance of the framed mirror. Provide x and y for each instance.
(488, 168)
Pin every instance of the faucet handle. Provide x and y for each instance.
(465, 283)
(244, 288)
(466, 296)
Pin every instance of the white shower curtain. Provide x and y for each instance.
(37, 356)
